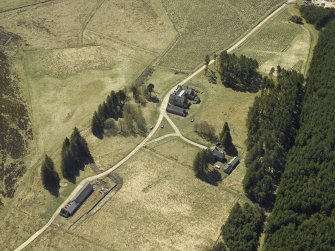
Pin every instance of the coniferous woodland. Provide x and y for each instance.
(318, 16)
(303, 216)
(106, 118)
(111, 108)
(239, 73)
(272, 124)
(243, 228)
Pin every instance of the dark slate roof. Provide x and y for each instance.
(72, 207)
(180, 101)
(218, 154)
(82, 196)
(231, 165)
(176, 110)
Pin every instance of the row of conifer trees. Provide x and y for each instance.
(74, 155)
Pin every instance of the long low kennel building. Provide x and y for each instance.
(73, 205)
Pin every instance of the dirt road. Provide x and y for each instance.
(138, 147)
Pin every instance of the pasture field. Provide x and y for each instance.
(65, 73)
(142, 24)
(76, 52)
(206, 27)
(164, 79)
(161, 206)
(219, 105)
(279, 42)
(57, 24)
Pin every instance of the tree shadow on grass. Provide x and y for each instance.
(212, 177)
(253, 88)
(231, 150)
(54, 190)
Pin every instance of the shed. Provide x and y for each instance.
(232, 164)
(73, 205)
(83, 195)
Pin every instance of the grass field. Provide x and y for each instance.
(161, 206)
(280, 42)
(146, 25)
(66, 72)
(209, 26)
(77, 52)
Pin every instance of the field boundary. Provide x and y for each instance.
(27, 6)
(90, 16)
(116, 40)
(257, 23)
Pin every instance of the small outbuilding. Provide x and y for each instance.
(231, 165)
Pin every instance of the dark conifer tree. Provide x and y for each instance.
(69, 164)
(50, 178)
(97, 126)
(81, 146)
(225, 136)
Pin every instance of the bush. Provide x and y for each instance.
(296, 19)
(205, 130)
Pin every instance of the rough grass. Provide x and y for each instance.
(161, 206)
(6, 5)
(142, 24)
(279, 42)
(64, 82)
(208, 26)
(55, 25)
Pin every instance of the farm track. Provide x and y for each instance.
(90, 16)
(163, 137)
(143, 143)
(116, 40)
(28, 6)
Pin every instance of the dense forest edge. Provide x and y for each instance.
(303, 216)
(291, 155)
